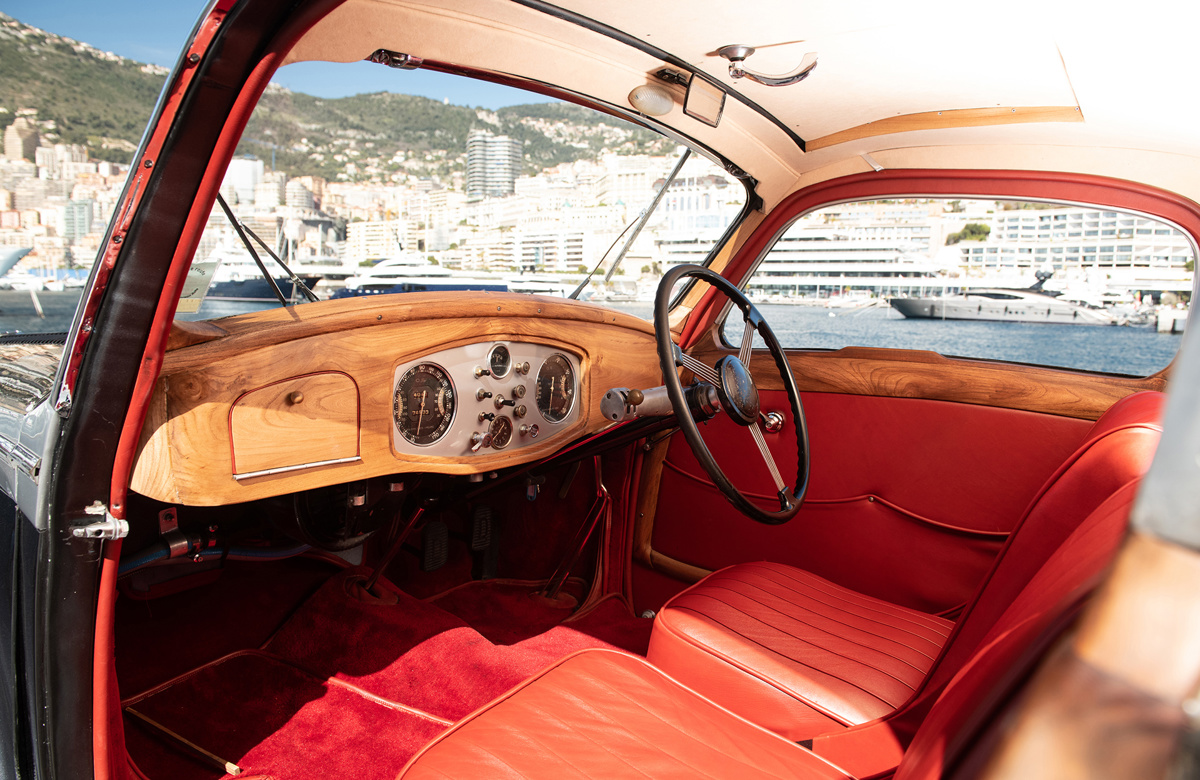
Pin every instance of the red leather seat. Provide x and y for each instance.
(603, 714)
(794, 652)
(802, 656)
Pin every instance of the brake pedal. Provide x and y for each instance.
(435, 545)
(481, 528)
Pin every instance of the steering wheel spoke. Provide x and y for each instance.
(761, 441)
(747, 344)
(738, 395)
(698, 368)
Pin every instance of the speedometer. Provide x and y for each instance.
(423, 404)
(555, 388)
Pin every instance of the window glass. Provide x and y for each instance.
(402, 193)
(386, 190)
(958, 278)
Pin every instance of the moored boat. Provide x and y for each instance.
(1002, 305)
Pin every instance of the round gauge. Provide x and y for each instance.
(555, 388)
(499, 361)
(501, 431)
(423, 404)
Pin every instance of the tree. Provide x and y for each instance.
(972, 231)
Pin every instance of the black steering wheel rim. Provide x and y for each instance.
(670, 358)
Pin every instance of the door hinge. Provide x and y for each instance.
(109, 528)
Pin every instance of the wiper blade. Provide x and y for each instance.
(244, 233)
(637, 227)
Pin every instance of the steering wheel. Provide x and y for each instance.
(729, 387)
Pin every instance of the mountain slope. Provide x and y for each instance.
(85, 96)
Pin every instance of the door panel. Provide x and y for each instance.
(909, 499)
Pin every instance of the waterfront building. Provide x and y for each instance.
(1116, 250)
(298, 196)
(20, 140)
(373, 240)
(493, 164)
(75, 219)
(242, 176)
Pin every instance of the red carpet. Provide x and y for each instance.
(327, 695)
(272, 719)
(414, 653)
(505, 611)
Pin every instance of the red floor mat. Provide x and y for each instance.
(414, 653)
(273, 719)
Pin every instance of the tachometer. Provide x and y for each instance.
(423, 404)
(555, 388)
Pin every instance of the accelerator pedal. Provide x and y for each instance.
(435, 545)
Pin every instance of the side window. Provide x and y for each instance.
(1066, 286)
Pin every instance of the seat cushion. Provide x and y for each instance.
(604, 714)
(794, 652)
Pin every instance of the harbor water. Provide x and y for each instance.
(1135, 351)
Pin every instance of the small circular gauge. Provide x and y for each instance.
(555, 388)
(423, 404)
(499, 361)
(501, 431)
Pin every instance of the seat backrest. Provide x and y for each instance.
(1036, 616)
(1117, 451)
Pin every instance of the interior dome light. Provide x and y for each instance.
(651, 100)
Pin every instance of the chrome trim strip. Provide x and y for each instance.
(286, 469)
(22, 457)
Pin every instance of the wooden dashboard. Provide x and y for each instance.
(269, 403)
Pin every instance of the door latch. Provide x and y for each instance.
(109, 528)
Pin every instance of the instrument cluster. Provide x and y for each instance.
(483, 397)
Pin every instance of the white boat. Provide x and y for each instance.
(414, 274)
(1003, 305)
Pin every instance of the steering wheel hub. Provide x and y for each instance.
(738, 394)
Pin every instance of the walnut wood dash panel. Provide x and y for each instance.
(320, 410)
(185, 454)
(915, 374)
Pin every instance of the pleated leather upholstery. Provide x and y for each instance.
(604, 714)
(802, 656)
(794, 652)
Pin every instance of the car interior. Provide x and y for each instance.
(338, 564)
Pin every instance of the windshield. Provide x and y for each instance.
(403, 189)
(390, 193)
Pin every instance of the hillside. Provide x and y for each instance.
(86, 96)
(82, 95)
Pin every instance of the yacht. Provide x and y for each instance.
(414, 274)
(1002, 305)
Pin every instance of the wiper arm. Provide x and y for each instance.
(244, 234)
(637, 227)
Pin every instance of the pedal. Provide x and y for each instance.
(435, 545)
(481, 528)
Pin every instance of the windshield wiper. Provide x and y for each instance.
(244, 233)
(637, 228)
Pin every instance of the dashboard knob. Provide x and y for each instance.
(486, 416)
(480, 440)
(481, 371)
(295, 397)
(519, 411)
(519, 391)
(481, 394)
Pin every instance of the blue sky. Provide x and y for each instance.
(155, 30)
